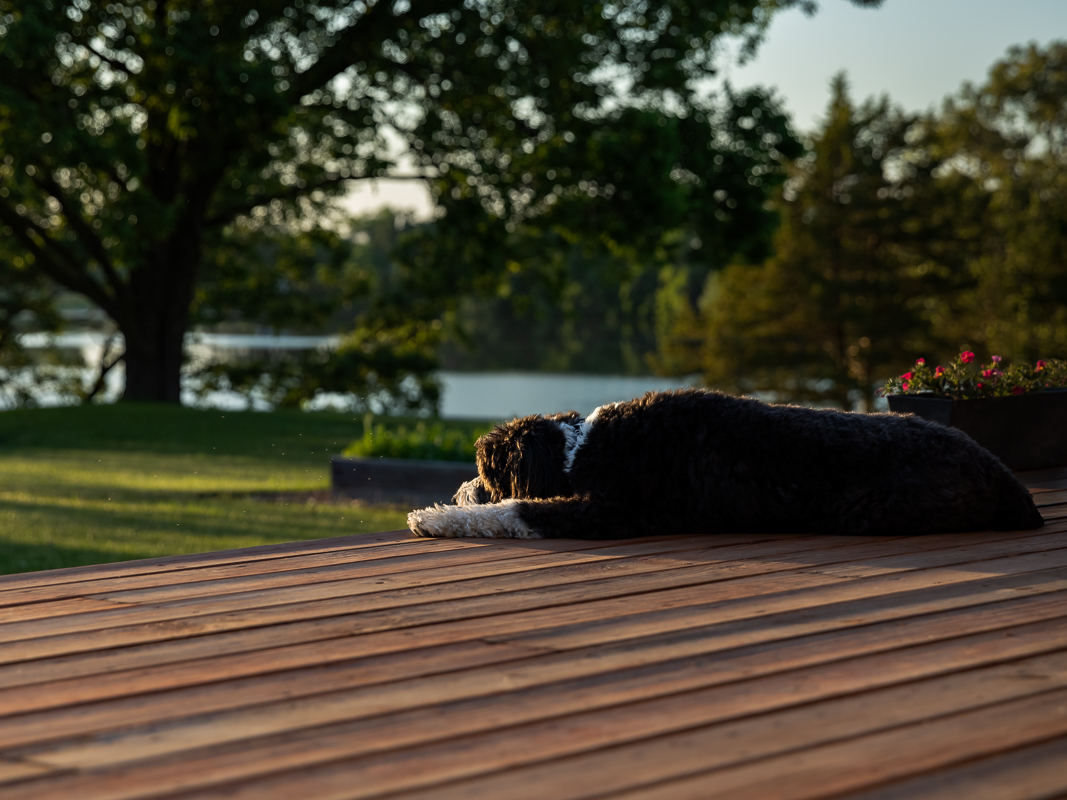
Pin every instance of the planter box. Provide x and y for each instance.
(1028, 431)
(399, 480)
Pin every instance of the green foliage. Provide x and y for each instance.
(617, 207)
(959, 381)
(424, 441)
(1000, 198)
(902, 235)
(280, 279)
(386, 370)
(842, 297)
(130, 134)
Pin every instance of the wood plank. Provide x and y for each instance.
(17, 770)
(1057, 512)
(1028, 773)
(1029, 477)
(476, 597)
(592, 622)
(456, 599)
(534, 686)
(683, 551)
(851, 766)
(658, 666)
(399, 556)
(57, 608)
(1050, 497)
(656, 740)
(399, 591)
(181, 562)
(892, 591)
(180, 690)
(341, 617)
(1047, 485)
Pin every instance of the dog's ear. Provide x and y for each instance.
(536, 464)
(492, 456)
(523, 459)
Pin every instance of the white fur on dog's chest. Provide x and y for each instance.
(576, 437)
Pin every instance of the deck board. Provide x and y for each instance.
(780, 666)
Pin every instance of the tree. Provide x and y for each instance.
(590, 279)
(842, 299)
(314, 282)
(129, 132)
(1001, 189)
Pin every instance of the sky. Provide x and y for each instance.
(916, 51)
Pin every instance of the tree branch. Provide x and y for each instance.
(69, 275)
(117, 65)
(85, 232)
(104, 368)
(293, 192)
(353, 44)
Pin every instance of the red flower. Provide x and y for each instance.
(920, 361)
(906, 376)
(979, 385)
(939, 372)
(966, 356)
(989, 373)
(1016, 390)
(905, 387)
(1040, 366)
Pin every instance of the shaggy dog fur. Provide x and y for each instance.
(700, 461)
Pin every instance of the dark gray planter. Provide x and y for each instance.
(399, 480)
(1026, 431)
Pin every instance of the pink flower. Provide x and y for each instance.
(939, 372)
(1040, 366)
(920, 361)
(906, 376)
(1016, 390)
(996, 359)
(989, 373)
(966, 356)
(905, 387)
(979, 385)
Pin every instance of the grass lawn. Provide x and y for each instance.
(93, 484)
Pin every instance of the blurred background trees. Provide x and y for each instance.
(901, 237)
(131, 134)
(598, 207)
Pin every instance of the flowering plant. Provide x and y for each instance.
(958, 381)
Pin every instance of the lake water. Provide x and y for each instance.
(479, 395)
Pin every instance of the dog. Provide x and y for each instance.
(699, 461)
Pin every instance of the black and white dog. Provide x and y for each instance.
(698, 461)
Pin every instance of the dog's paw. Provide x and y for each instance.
(491, 521)
(471, 493)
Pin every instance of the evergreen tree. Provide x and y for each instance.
(1001, 202)
(841, 302)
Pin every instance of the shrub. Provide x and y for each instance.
(424, 441)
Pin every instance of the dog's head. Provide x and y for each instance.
(524, 458)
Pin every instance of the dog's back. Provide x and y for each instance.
(734, 463)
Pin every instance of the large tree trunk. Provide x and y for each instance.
(155, 323)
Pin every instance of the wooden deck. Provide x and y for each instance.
(690, 667)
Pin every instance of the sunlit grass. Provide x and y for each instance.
(111, 483)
